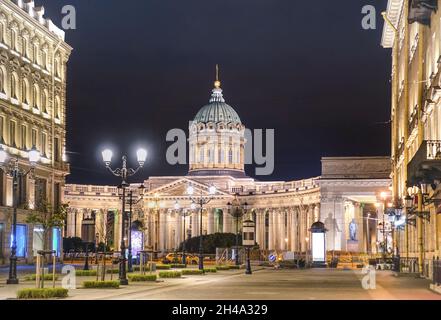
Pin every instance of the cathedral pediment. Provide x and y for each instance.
(178, 188)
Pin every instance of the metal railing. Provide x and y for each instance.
(409, 265)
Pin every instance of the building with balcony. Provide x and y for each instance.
(412, 31)
(33, 58)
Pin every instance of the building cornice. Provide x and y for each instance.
(394, 10)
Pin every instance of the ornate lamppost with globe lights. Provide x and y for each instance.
(132, 202)
(11, 167)
(201, 200)
(124, 173)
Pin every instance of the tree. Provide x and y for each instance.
(211, 242)
(44, 216)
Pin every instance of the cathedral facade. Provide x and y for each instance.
(283, 210)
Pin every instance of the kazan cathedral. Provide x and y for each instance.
(283, 211)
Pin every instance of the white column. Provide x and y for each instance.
(227, 222)
(210, 227)
(179, 229)
(272, 230)
(163, 230)
(195, 224)
(259, 229)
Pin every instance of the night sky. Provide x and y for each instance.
(305, 68)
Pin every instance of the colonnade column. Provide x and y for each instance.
(195, 223)
(163, 216)
(210, 222)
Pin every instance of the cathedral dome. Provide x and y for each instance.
(217, 110)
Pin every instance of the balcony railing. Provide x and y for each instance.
(433, 150)
(427, 157)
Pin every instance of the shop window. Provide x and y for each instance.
(37, 240)
(21, 240)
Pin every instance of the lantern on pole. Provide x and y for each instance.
(318, 231)
(248, 241)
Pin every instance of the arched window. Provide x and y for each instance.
(44, 58)
(57, 107)
(25, 92)
(35, 96)
(230, 156)
(2, 32)
(25, 46)
(57, 67)
(35, 53)
(43, 101)
(201, 155)
(14, 86)
(2, 80)
(13, 39)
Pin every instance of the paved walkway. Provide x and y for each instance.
(265, 284)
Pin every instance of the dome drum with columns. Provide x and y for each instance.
(217, 139)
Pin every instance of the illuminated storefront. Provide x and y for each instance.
(21, 240)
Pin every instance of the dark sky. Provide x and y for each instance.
(305, 68)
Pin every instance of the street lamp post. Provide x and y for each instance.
(131, 203)
(237, 211)
(97, 242)
(13, 170)
(201, 200)
(123, 173)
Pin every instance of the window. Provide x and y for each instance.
(25, 92)
(56, 241)
(2, 30)
(57, 108)
(37, 239)
(14, 85)
(201, 155)
(35, 96)
(13, 39)
(57, 67)
(34, 138)
(21, 240)
(24, 137)
(22, 194)
(12, 138)
(43, 144)
(2, 81)
(44, 59)
(2, 234)
(35, 53)
(56, 149)
(2, 127)
(25, 47)
(2, 194)
(57, 196)
(40, 192)
(230, 156)
(43, 101)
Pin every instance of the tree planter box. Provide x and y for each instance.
(47, 293)
(101, 284)
(142, 278)
(170, 274)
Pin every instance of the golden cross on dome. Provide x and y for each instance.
(217, 83)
